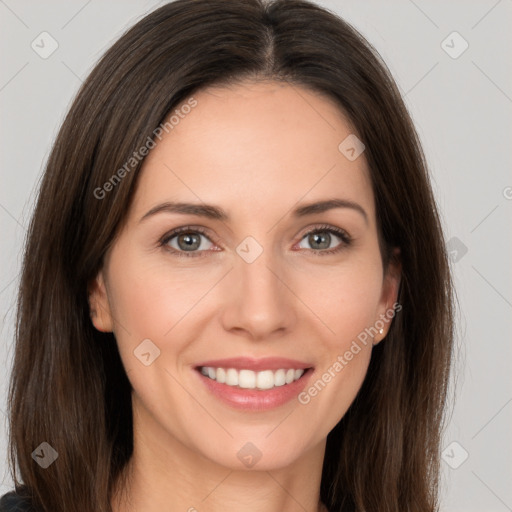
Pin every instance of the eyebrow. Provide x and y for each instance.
(213, 212)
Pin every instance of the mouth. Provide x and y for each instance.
(250, 384)
(249, 379)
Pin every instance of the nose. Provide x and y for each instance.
(260, 303)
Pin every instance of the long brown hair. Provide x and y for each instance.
(68, 386)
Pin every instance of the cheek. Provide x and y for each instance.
(147, 303)
(345, 299)
(150, 300)
(348, 310)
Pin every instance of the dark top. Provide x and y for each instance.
(12, 502)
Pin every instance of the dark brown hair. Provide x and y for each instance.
(68, 386)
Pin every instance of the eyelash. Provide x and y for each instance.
(342, 234)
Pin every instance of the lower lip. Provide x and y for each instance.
(255, 399)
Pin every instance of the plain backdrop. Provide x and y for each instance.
(458, 89)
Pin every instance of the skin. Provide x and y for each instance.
(258, 150)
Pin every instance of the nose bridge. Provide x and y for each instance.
(260, 303)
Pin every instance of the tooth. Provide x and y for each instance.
(247, 379)
(232, 377)
(279, 378)
(265, 379)
(221, 375)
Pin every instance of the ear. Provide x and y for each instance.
(99, 306)
(390, 289)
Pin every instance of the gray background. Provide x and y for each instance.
(462, 109)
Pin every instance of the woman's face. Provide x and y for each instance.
(257, 284)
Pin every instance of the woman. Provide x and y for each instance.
(235, 290)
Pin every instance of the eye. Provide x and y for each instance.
(322, 238)
(186, 241)
(189, 241)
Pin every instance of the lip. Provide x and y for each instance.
(257, 365)
(255, 399)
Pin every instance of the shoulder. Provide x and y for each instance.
(13, 502)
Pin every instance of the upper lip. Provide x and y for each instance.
(248, 363)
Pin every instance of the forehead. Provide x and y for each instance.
(255, 147)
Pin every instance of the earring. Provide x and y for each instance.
(380, 332)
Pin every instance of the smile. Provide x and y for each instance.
(249, 379)
(250, 384)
